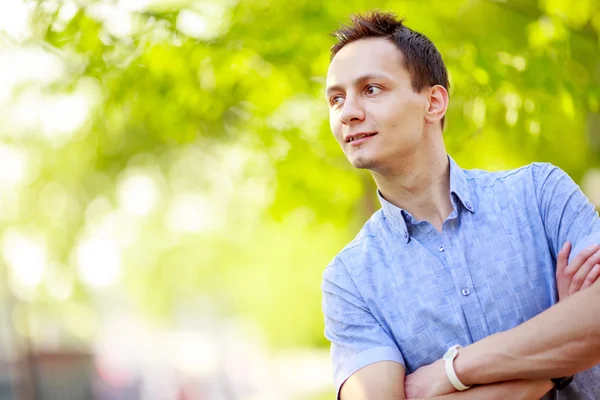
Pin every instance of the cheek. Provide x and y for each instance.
(335, 126)
(403, 115)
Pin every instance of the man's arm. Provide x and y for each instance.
(385, 381)
(381, 380)
(514, 390)
(365, 358)
(561, 341)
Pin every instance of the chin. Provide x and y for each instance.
(364, 163)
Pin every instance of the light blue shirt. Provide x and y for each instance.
(402, 291)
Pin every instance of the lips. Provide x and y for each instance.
(359, 137)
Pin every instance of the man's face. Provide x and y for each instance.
(374, 113)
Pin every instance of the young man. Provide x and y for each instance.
(453, 257)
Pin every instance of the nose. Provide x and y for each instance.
(352, 111)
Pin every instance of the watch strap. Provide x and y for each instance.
(561, 383)
(450, 372)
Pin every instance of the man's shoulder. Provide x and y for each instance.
(369, 233)
(367, 240)
(534, 173)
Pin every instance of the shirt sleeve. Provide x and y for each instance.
(567, 213)
(357, 339)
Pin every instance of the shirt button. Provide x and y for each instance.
(468, 205)
(405, 235)
(441, 248)
(465, 291)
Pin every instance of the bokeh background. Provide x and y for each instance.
(170, 192)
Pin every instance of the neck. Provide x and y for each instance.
(421, 186)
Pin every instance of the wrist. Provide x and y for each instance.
(449, 358)
(476, 366)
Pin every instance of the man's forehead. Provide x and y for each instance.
(370, 56)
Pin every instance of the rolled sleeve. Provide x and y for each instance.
(357, 339)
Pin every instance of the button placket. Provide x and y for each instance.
(462, 280)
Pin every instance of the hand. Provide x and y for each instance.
(581, 273)
(428, 381)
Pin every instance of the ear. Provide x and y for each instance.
(437, 104)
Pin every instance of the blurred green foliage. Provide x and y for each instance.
(218, 107)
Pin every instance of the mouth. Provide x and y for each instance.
(359, 137)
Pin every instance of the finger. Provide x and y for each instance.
(563, 258)
(591, 277)
(561, 264)
(580, 259)
(585, 269)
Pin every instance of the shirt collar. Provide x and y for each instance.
(401, 219)
(395, 215)
(459, 186)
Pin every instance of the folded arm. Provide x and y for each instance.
(514, 390)
(385, 381)
(561, 341)
(549, 345)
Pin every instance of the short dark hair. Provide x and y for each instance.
(420, 58)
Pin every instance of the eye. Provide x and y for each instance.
(336, 100)
(372, 90)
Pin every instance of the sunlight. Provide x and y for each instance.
(99, 260)
(58, 282)
(62, 115)
(26, 256)
(116, 20)
(134, 5)
(14, 18)
(194, 212)
(196, 354)
(137, 194)
(27, 65)
(207, 23)
(56, 118)
(13, 165)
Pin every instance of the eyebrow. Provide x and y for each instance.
(340, 88)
